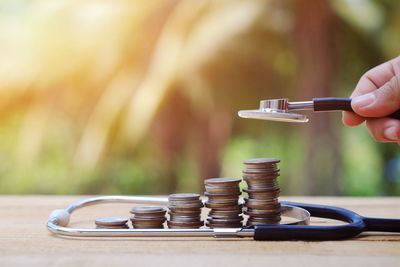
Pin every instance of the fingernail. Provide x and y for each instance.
(391, 133)
(363, 101)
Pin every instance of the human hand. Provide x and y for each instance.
(377, 95)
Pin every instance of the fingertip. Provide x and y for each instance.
(351, 119)
(384, 129)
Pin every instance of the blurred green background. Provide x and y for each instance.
(141, 97)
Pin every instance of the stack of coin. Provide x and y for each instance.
(185, 211)
(111, 223)
(223, 195)
(148, 217)
(262, 204)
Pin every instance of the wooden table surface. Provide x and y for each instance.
(25, 241)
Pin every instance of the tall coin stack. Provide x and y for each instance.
(148, 217)
(262, 204)
(185, 211)
(223, 195)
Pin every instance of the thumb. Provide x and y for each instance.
(380, 102)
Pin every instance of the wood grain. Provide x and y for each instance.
(25, 241)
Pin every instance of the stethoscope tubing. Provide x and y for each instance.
(354, 224)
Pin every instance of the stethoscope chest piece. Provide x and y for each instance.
(273, 110)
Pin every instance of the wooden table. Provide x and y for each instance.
(24, 240)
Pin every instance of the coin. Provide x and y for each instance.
(261, 161)
(177, 218)
(113, 227)
(148, 211)
(177, 211)
(183, 207)
(266, 214)
(223, 190)
(148, 217)
(184, 225)
(229, 212)
(219, 181)
(110, 221)
(183, 197)
(225, 201)
(184, 211)
(264, 173)
(224, 225)
(225, 220)
(274, 192)
(262, 204)
(223, 195)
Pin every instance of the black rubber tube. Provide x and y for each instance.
(356, 225)
(382, 225)
(337, 103)
(315, 233)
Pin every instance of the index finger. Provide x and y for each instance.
(371, 81)
(377, 77)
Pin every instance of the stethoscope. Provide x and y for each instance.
(281, 109)
(277, 110)
(297, 230)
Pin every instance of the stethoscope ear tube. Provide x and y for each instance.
(382, 225)
(339, 103)
(355, 224)
(332, 103)
(311, 233)
(353, 227)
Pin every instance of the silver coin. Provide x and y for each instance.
(224, 225)
(112, 227)
(229, 201)
(221, 190)
(183, 197)
(217, 213)
(147, 209)
(223, 194)
(272, 173)
(224, 180)
(273, 192)
(222, 206)
(225, 220)
(189, 206)
(148, 220)
(265, 161)
(110, 221)
(141, 226)
(262, 167)
(172, 224)
(185, 219)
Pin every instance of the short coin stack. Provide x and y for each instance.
(111, 223)
(262, 204)
(185, 211)
(148, 217)
(223, 195)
